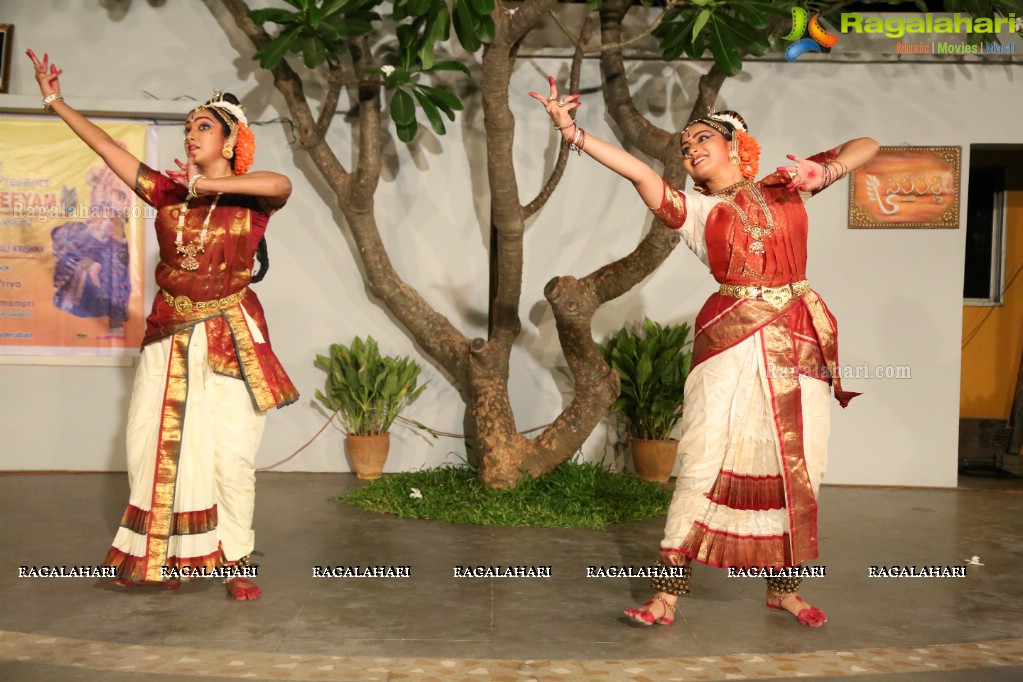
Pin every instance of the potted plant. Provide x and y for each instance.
(368, 391)
(653, 367)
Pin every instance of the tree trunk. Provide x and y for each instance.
(480, 368)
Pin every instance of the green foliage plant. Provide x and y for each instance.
(367, 390)
(323, 30)
(653, 366)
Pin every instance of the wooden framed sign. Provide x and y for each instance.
(6, 45)
(906, 187)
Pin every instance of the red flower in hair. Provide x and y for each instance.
(244, 149)
(749, 154)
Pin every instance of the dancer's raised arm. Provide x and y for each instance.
(122, 162)
(644, 178)
(848, 156)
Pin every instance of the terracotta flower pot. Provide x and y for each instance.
(367, 454)
(654, 460)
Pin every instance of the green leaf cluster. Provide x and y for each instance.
(319, 30)
(728, 28)
(653, 365)
(368, 390)
(421, 25)
(432, 100)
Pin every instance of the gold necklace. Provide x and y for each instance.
(757, 232)
(190, 251)
(731, 190)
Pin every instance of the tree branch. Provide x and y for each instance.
(581, 43)
(506, 215)
(290, 85)
(368, 163)
(596, 385)
(354, 193)
(525, 18)
(559, 166)
(335, 81)
(634, 126)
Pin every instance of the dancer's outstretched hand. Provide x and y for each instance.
(46, 74)
(184, 173)
(558, 109)
(806, 175)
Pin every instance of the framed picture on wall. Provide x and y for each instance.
(906, 187)
(6, 45)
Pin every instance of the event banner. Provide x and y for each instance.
(72, 263)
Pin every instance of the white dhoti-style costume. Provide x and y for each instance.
(194, 499)
(756, 414)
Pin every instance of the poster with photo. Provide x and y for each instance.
(72, 264)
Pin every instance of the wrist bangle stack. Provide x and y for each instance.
(827, 178)
(50, 99)
(578, 141)
(831, 174)
(192, 193)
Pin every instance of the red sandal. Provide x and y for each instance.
(810, 615)
(643, 616)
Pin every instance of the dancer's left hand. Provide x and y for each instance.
(558, 109)
(47, 74)
(805, 175)
(184, 172)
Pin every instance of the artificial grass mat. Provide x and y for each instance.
(575, 495)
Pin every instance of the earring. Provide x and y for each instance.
(228, 152)
(733, 153)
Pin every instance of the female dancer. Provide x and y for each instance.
(207, 373)
(756, 423)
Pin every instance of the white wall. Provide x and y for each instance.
(897, 294)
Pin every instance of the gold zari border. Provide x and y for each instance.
(168, 451)
(787, 406)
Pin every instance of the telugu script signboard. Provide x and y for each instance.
(906, 187)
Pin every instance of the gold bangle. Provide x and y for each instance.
(192, 193)
(564, 127)
(50, 99)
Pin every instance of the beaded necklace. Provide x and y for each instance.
(757, 232)
(190, 251)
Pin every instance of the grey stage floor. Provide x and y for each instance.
(566, 627)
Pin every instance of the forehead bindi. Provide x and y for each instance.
(695, 130)
(197, 118)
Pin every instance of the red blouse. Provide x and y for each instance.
(237, 335)
(728, 245)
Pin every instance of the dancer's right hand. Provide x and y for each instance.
(558, 109)
(46, 74)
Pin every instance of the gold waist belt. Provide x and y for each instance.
(184, 305)
(776, 296)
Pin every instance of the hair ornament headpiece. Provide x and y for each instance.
(725, 122)
(731, 118)
(218, 102)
